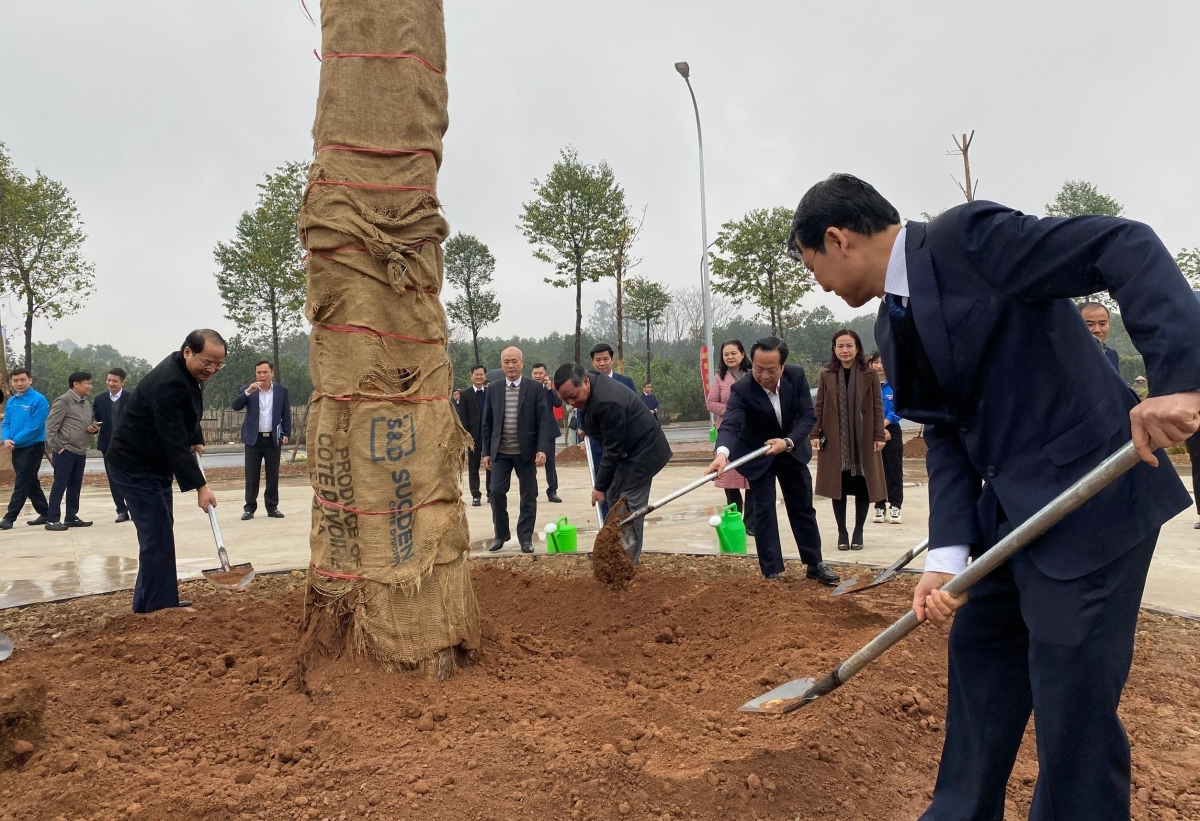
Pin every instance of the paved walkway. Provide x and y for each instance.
(38, 565)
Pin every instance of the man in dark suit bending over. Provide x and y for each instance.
(635, 447)
(775, 408)
(976, 301)
(516, 438)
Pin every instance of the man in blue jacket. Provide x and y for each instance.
(265, 430)
(23, 432)
(975, 302)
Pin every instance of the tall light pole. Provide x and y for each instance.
(684, 72)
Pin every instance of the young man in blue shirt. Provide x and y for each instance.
(893, 451)
(23, 433)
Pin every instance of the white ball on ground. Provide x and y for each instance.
(715, 521)
(551, 528)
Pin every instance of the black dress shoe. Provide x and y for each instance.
(55, 526)
(823, 574)
(497, 544)
(750, 532)
(247, 515)
(122, 517)
(275, 514)
(40, 520)
(775, 577)
(527, 547)
(475, 502)
(553, 497)
(843, 545)
(77, 522)
(6, 524)
(856, 545)
(184, 603)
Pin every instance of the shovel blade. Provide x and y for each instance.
(864, 582)
(767, 702)
(6, 647)
(235, 578)
(626, 533)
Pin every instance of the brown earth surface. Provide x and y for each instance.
(584, 703)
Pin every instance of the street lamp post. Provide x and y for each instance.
(684, 72)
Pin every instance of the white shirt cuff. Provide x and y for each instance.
(949, 559)
(724, 451)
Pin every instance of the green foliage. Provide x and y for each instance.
(1079, 198)
(679, 389)
(1189, 264)
(41, 236)
(646, 302)
(751, 266)
(260, 272)
(52, 366)
(571, 223)
(240, 358)
(1131, 368)
(469, 267)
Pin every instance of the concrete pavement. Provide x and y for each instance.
(38, 565)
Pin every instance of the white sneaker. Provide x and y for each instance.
(879, 518)
(894, 517)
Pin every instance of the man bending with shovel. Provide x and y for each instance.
(634, 445)
(976, 303)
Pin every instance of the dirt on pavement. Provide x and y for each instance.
(584, 704)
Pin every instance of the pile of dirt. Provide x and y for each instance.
(610, 562)
(584, 704)
(915, 448)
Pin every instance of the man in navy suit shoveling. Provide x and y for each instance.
(985, 347)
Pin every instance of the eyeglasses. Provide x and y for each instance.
(793, 253)
(211, 366)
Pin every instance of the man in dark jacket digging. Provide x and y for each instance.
(634, 445)
(158, 437)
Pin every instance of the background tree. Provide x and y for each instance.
(622, 240)
(572, 222)
(646, 302)
(469, 267)
(1080, 198)
(1189, 263)
(750, 264)
(261, 270)
(41, 237)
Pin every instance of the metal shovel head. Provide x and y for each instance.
(768, 702)
(6, 647)
(235, 578)
(617, 513)
(864, 582)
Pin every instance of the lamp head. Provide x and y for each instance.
(683, 70)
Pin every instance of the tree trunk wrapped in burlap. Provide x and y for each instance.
(389, 537)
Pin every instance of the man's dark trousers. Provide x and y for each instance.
(796, 482)
(118, 499)
(264, 450)
(68, 478)
(150, 506)
(1025, 641)
(634, 485)
(893, 466)
(551, 470)
(474, 457)
(26, 462)
(502, 468)
(1193, 449)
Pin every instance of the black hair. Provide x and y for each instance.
(200, 337)
(569, 372)
(478, 368)
(119, 373)
(722, 368)
(842, 201)
(768, 344)
(19, 371)
(77, 377)
(541, 365)
(648, 385)
(873, 357)
(266, 362)
(601, 347)
(835, 364)
(1099, 305)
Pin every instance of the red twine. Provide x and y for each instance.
(400, 56)
(388, 151)
(372, 186)
(333, 575)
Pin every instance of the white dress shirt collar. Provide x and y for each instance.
(513, 383)
(896, 281)
(115, 396)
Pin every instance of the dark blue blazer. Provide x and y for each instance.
(991, 293)
(1113, 358)
(109, 413)
(627, 381)
(750, 421)
(281, 414)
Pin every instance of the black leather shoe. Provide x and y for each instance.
(553, 497)
(475, 502)
(275, 514)
(527, 547)
(55, 526)
(823, 574)
(843, 545)
(774, 577)
(122, 517)
(497, 544)
(77, 522)
(184, 603)
(40, 520)
(6, 524)
(856, 545)
(750, 532)
(247, 515)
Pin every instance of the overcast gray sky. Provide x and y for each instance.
(161, 117)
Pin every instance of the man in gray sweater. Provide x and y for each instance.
(69, 431)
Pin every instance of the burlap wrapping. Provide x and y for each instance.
(389, 535)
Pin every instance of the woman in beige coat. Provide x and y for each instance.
(849, 435)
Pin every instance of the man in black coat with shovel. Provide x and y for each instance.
(975, 302)
(634, 445)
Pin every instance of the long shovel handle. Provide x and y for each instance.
(587, 448)
(216, 528)
(912, 553)
(1066, 502)
(701, 482)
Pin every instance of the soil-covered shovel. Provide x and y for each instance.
(795, 694)
(868, 580)
(6, 647)
(227, 576)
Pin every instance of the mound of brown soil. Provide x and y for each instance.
(584, 704)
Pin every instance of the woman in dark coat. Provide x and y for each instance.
(849, 435)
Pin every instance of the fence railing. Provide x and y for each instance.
(224, 426)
